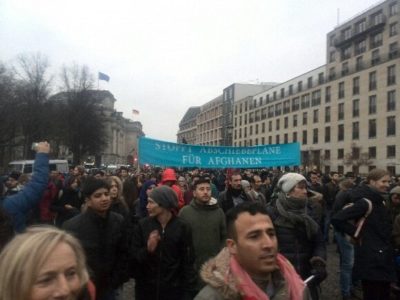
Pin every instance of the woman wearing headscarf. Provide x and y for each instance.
(143, 196)
(299, 236)
(373, 252)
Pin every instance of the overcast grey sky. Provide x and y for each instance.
(165, 56)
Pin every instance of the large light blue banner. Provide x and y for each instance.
(155, 152)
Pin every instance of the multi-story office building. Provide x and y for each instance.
(344, 114)
(188, 126)
(214, 121)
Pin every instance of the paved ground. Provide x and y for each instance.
(330, 287)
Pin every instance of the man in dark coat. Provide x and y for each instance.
(162, 251)
(103, 237)
(234, 195)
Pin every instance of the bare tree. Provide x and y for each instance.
(356, 157)
(33, 87)
(80, 113)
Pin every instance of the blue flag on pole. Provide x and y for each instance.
(103, 76)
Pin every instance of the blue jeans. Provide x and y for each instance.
(346, 252)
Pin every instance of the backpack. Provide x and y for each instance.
(360, 222)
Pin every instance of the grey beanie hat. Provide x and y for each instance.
(164, 196)
(289, 181)
(395, 190)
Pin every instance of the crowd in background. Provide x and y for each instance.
(188, 221)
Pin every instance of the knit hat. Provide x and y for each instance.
(92, 184)
(245, 184)
(288, 181)
(395, 190)
(164, 196)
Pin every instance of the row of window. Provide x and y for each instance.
(372, 132)
(261, 115)
(305, 101)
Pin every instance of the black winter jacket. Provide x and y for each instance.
(225, 199)
(373, 254)
(296, 247)
(105, 246)
(168, 273)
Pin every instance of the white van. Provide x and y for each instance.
(26, 166)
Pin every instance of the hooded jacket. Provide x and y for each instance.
(373, 254)
(208, 228)
(223, 285)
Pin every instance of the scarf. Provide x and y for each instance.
(293, 212)
(251, 291)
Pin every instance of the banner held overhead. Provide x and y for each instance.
(155, 152)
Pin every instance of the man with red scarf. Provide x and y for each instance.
(250, 267)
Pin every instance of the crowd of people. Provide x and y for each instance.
(195, 234)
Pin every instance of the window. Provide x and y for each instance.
(277, 139)
(391, 126)
(286, 122)
(282, 92)
(359, 63)
(360, 26)
(356, 108)
(327, 134)
(391, 75)
(393, 29)
(263, 140)
(391, 100)
(278, 123)
(278, 109)
(315, 116)
(340, 132)
(372, 152)
(332, 56)
(286, 107)
(375, 58)
(299, 86)
(285, 138)
(356, 131)
(305, 117)
(332, 73)
(360, 47)
(305, 101)
(376, 18)
(327, 94)
(295, 104)
(332, 40)
(294, 137)
(294, 120)
(245, 132)
(320, 78)
(309, 82)
(263, 127)
(315, 136)
(393, 9)
(341, 90)
(327, 154)
(372, 81)
(393, 50)
(340, 153)
(372, 129)
(372, 105)
(270, 140)
(346, 33)
(356, 85)
(346, 53)
(271, 111)
(274, 95)
(291, 89)
(270, 126)
(304, 137)
(327, 114)
(341, 111)
(391, 151)
(257, 128)
(316, 98)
